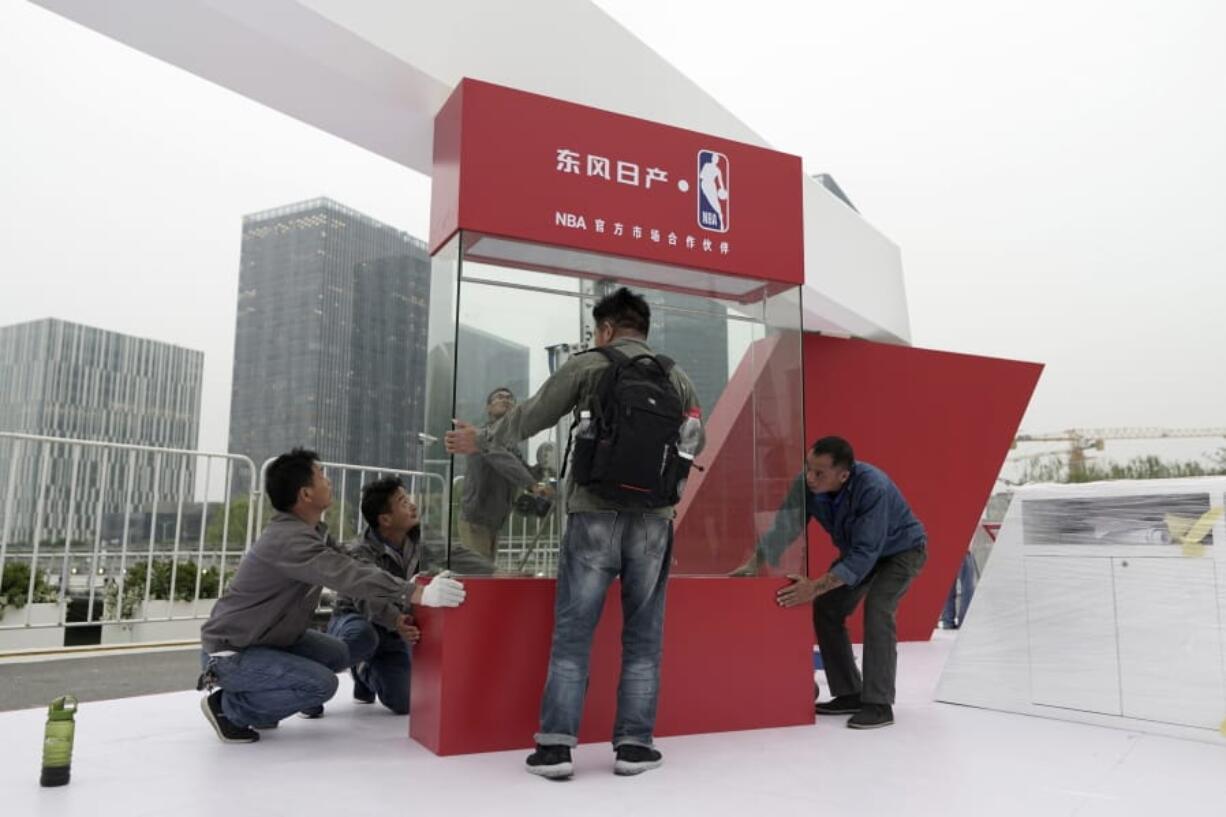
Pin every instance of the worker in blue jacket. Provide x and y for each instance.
(881, 550)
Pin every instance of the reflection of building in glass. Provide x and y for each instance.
(330, 341)
(693, 331)
(62, 379)
(690, 329)
(487, 362)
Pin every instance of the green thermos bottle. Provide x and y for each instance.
(57, 741)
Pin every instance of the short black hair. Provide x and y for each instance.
(289, 474)
(624, 310)
(376, 498)
(839, 450)
(489, 398)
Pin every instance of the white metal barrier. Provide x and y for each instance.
(125, 526)
(126, 537)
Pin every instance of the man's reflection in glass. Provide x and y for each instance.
(491, 483)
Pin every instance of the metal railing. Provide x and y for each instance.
(122, 525)
(526, 544)
(103, 534)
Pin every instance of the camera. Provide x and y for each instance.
(533, 505)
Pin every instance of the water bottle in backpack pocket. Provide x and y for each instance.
(584, 442)
(688, 440)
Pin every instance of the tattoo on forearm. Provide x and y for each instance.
(827, 583)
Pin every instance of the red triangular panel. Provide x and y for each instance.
(939, 424)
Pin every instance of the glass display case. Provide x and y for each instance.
(505, 315)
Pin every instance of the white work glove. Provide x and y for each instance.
(443, 591)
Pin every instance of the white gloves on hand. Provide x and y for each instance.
(443, 591)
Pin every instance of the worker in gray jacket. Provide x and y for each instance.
(261, 661)
(382, 655)
(605, 538)
(493, 478)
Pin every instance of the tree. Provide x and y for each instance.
(164, 571)
(160, 584)
(236, 538)
(15, 585)
(1056, 469)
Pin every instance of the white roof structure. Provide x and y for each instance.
(375, 73)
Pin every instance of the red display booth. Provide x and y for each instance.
(539, 208)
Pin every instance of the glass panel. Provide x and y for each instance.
(739, 342)
(755, 444)
(515, 328)
(438, 506)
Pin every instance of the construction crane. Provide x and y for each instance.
(1081, 440)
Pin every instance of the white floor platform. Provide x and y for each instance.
(156, 756)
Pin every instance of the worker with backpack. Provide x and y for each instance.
(637, 428)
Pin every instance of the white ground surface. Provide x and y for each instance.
(156, 755)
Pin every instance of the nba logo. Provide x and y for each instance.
(713, 197)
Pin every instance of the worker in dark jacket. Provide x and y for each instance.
(382, 655)
(881, 550)
(261, 661)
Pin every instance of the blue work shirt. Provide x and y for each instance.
(867, 519)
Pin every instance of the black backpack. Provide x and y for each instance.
(630, 457)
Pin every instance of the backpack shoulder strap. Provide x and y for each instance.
(614, 356)
(663, 363)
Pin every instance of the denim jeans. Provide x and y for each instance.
(262, 685)
(960, 595)
(598, 547)
(381, 658)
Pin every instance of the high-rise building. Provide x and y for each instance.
(486, 362)
(690, 329)
(61, 379)
(330, 340)
(693, 331)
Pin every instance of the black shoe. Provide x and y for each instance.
(552, 762)
(264, 727)
(635, 759)
(842, 705)
(312, 713)
(226, 731)
(361, 693)
(872, 716)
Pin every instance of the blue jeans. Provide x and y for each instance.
(960, 595)
(598, 547)
(381, 658)
(262, 685)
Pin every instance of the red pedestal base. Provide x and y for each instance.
(732, 660)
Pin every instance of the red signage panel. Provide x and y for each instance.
(537, 169)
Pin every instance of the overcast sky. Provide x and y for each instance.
(1055, 173)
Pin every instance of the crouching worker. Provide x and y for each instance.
(377, 632)
(261, 661)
